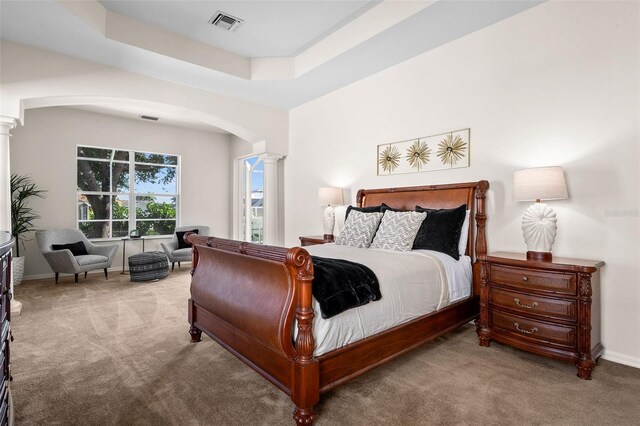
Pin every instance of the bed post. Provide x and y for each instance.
(480, 268)
(195, 332)
(481, 219)
(359, 197)
(481, 237)
(194, 258)
(305, 390)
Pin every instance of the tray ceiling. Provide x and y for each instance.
(285, 54)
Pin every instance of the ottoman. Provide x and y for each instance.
(148, 266)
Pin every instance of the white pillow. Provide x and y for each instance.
(464, 235)
(397, 230)
(359, 229)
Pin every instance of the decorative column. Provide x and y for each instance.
(6, 124)
(482, 323)
(247, 204)
(585, 362)
(271, 206)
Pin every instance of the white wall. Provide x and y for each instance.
(555, 85)
(45, 148)
(31, 77)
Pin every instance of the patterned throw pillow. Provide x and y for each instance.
(359, 229)
(398, 230)
(370, 209)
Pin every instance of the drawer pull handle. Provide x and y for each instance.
(531, 306)
(522, 330)
(525, 279)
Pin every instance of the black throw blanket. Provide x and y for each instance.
(339, 285)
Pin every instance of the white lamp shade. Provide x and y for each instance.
(330, 195)
(541, 183)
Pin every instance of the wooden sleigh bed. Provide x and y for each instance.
(249, 298)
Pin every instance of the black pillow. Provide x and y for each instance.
(77, 249)
(181, 242)
(373, 209)
(440, 231)
(385, 207)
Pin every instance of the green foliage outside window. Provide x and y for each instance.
(103, 173)
(156, 210)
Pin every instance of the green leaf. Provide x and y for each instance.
(23, 188)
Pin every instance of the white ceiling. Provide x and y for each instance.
(270, 29)
(49, 25)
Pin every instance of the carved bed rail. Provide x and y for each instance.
(258, 291)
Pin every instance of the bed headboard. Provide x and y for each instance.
(446, 196)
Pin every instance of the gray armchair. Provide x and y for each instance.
(176, 254)
(63, 261)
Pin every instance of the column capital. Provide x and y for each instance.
(6, 124)
(271, 204)
(268, 157)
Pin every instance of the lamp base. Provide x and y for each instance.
(539, 256)
(328, 220)
(539, 228)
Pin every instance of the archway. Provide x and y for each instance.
(248, 141)
(142, 105)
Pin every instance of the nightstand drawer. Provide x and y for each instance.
(533, 279)
(564, 309)
(535, 330)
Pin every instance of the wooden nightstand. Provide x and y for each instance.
(548, 308)
(314, 239)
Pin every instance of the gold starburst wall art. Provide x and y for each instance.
(389, 159)
(450, 150)
(418, 154)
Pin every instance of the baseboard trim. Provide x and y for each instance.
(51, 275)
(621, 358)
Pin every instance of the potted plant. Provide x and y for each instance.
(23, 188)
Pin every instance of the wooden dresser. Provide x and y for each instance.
(548, 308)
(6, 242)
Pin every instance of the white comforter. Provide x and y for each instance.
(412, 284)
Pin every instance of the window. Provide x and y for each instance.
(120, 190)
(252, 201)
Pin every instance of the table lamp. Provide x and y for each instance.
(327, 196)
(539, 226)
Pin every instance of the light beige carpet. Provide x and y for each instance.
(115, 353)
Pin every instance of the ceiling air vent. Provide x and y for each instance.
(148, 117)
(225, 21)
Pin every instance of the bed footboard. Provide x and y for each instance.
(246, 297)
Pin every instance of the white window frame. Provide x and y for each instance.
(242, 187)
(132, 194)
